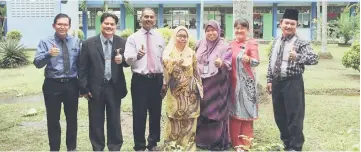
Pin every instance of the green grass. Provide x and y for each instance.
(331, 121)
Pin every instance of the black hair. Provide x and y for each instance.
(61, 15)
(106, 15)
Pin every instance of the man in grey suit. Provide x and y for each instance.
(103, 84)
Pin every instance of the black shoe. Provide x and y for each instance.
(154, 148)
(71, 149)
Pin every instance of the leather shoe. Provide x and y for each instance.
(154, 148)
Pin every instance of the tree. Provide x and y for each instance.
(324, 54)
(318, 36)
(2, 21)
(324, 26)
(346, 26)
(105, 5)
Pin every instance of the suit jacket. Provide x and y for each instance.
(91, 67)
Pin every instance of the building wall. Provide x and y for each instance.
(71, 8)
(33, 23)
(33, 26)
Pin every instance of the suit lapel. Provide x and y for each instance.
(98, 44)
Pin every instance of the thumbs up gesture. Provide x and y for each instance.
(141, 53)
(293, 54)
(118, 57)
(218, 62)
(245, 58)
(54, 51)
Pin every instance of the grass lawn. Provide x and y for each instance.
(331, 121)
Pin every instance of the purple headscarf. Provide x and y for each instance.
(208, 51)
(212, 44)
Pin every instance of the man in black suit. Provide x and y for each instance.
(103, 84)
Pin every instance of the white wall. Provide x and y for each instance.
(72, 9)
(32, 28)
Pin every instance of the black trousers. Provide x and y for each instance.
(146, 97)
(57, 91)
(289, 110)
(105, 102)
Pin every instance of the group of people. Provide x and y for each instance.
(210, 92)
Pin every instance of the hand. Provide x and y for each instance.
(163, 92)
(54, 51)
(218, 63)
(141, 53)
(245, 58)
(269, 88)
(180, 61)
(293, 54)
(118, 58)
(88, 96)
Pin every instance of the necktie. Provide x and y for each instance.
(150, 58)
(277, 70)
(66, 61)
(107, 56)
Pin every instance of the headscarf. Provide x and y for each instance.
(212, 44)
(171, 47)
(208, 51)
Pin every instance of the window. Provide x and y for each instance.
(92, 13)
(39, 8)
(138, 14)
(174, 17)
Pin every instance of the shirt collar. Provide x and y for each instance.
(145, 31)
(59, 40)
(287, 38)
(103, 39)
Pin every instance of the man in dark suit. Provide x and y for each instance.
(103, 84)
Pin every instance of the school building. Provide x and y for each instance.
(34, 17)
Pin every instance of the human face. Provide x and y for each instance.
(148, 19)
(108, 27)
(182, 38)
(211, 33)
(62, 27)
(288, 27)
(240, 32)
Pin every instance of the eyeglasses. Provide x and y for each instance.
(182, 36)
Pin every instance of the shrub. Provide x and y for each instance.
(269, 48)
(13, 54)
(192, 43)
(325, 55)
(126, 33)
(351, 58)
(80, 34)
(14, 35)
(166, 32)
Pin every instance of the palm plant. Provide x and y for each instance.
(12, 54)
(2, 21)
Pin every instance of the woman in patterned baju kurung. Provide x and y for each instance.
(214, 64)
(244, 101)
(184, 93)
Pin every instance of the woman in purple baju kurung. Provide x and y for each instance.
(214, 64)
